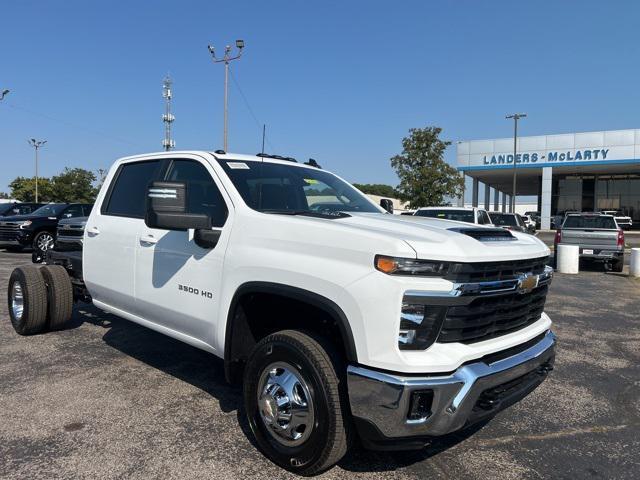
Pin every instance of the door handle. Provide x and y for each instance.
(93, 231)
(148, 240)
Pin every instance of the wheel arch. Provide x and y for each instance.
(319, 302)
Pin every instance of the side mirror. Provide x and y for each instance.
(167, 208)
(386, 204)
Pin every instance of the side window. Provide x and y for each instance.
(128, 194)
(203, 195)
(87, 209)
(485, 218)
(73, 211)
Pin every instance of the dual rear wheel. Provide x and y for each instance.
(39, 299)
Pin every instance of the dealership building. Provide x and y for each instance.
(577, 171)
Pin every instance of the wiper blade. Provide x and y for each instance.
(308, 213)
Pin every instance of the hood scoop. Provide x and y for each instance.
(485, 234)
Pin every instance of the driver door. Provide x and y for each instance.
(177, 282)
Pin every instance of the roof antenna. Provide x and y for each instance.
(264, 130)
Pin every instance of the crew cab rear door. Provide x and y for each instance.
(111, 234)
(178, 282)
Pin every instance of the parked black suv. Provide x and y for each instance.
(10, 209)
(38, 229)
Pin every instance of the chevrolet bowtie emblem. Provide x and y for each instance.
(527, 282)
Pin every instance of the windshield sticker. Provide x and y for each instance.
(238, 165)
(310, 181)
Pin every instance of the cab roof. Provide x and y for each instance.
(469, 209)
(229, 156)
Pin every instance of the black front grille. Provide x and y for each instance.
(8, 232)
(492, 315)
(493, 271)
(71, 232)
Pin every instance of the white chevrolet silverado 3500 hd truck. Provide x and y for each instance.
(338, 318)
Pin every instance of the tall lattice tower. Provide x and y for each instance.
(168, 117)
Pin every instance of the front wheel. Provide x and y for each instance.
(43, 241)
(295, 402)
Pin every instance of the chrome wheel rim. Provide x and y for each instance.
(45, 242)
(17, 301)
(285, 404)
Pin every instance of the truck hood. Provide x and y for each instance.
(73, 221)
(22, 218)
(436, 239)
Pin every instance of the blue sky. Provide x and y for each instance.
(338, 81)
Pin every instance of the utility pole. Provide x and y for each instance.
(226, 59)
(168, 117)
(36, 144)
(516, 117)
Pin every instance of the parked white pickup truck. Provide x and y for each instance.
(337, 317)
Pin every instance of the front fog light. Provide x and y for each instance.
(419, 325)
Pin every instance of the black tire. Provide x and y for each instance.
(317, 363)
(59, 294)
(40, 237)
(28, 283)
(617, 265)
(37, 256)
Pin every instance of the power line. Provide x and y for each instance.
(70, 124)
(246, 102)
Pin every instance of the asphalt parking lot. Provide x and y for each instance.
(110, 399)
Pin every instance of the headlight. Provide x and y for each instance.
(410, 266)
(419, 325)
(25, 223)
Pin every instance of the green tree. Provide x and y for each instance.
(4, 195)
(425, 178)
(74, 185)
(377, 189)
(24, 189)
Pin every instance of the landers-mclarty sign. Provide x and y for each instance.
(558, 156)
(570, 149)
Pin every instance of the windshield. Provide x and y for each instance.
(506, 220)
(594, 221)
(277, 188)
(459, 215)
(52, 210)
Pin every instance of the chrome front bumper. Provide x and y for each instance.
(380, 401)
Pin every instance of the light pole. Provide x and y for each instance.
(3, 93)
(516, 117)
(226, 59)
(36, 144)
